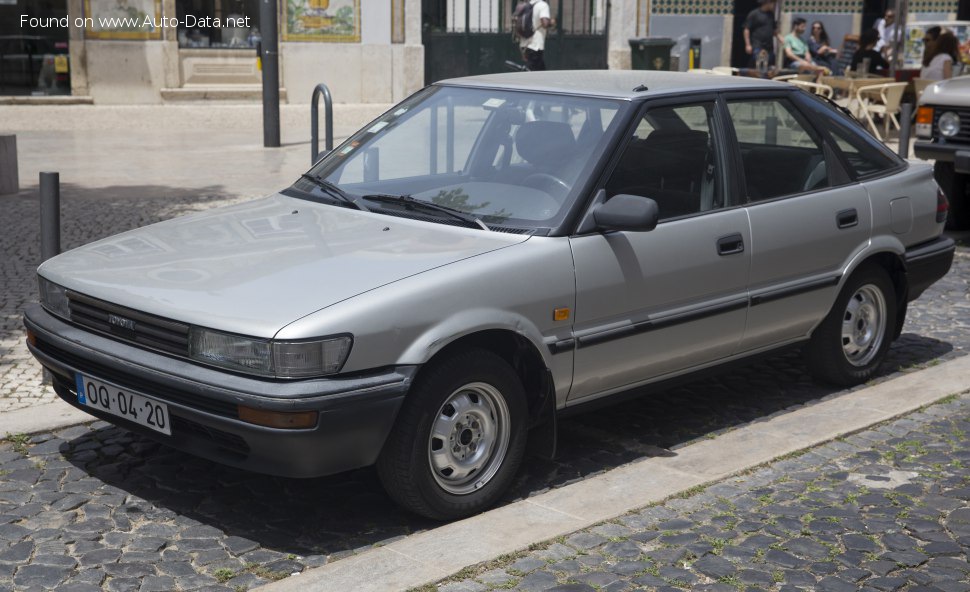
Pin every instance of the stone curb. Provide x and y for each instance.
(42, 418)
(430, 556)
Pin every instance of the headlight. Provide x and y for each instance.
(949, 124)
(53, 298)
(280, 359)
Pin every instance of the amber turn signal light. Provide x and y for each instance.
(297, 420)
(560, 314)
(924, 115)
(31, 338)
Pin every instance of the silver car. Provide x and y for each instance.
(489, 253)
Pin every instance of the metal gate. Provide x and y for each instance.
(468, 37)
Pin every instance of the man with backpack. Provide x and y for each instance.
(531, 21)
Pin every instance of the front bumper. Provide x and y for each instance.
(355, 413)
(958, 154)
(926, 263)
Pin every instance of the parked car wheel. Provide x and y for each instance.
(852, 340)
(459, 439)
(957, 190)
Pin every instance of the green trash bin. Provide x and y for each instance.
(651, 53)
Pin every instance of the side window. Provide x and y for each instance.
(671, 159)
(863, 158)
(782, 155)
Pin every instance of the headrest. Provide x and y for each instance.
(545, 142)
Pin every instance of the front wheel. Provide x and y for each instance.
(459, 439)
(850, 343)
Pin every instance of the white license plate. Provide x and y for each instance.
(123, 403)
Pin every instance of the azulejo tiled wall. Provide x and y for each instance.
(689, 7)
(933, 5)
(816, 6)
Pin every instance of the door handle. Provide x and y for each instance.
(847, 218)
(730, 244)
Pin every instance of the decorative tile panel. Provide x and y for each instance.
(933, 5)
(689, 7)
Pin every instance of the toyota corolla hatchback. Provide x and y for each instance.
(485, 255)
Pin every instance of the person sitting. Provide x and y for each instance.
(867, 43)
(796, 51)
(820, 50)
(942, 55)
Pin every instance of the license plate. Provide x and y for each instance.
(122, 403)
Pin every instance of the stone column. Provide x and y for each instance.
(173, 75)
(76, 50)
(622, 26)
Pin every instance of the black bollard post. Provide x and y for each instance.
(905, 127)
(50, 215)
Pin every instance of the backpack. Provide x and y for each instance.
(522, 20)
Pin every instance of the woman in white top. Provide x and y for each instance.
(945, 53)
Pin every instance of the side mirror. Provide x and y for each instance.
(627, 212)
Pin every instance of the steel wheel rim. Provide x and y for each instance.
(469, 438)
(864, 325)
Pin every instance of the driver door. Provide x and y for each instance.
(653, 304)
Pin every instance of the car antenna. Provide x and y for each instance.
(641, 88)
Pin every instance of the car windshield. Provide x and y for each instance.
(501, 157)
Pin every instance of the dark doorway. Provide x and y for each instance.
(34, 59)
(739, 57)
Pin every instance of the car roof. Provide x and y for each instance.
(611, 83)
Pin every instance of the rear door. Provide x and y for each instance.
(808, 218)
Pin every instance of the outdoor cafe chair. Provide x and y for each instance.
(814, 87)
(883, 100)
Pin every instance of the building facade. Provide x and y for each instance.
(154, 51)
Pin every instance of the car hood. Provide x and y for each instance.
(255, 267)
(954, 92)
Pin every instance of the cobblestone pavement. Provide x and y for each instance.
(882, 510)
(96, 506)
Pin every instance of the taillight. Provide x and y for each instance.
(942, 206)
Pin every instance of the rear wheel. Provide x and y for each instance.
(956, 186)
(848, 346)
(459, 439)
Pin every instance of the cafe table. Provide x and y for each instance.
(851, 86)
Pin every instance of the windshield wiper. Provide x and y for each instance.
(411, 203)
(335, 191)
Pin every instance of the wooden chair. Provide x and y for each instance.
(919, 85)
(881, 99)
(814, 87)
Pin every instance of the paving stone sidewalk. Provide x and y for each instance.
(883, 510)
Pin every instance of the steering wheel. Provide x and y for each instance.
(543, 178)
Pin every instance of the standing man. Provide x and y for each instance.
(534, 47)
(888, 32)
(760, 32)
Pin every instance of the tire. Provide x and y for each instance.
(850, 343)
(957, 190)
(459, 438)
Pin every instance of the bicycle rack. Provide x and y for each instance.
(315, 121)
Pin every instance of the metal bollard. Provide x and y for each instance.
(321, 89)
(905, 127)
(50, 215)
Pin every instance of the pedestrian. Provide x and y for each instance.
(944, 54)
(760, 31)
(929, 38)
(888, 30)
(796, 50)
(534, 47)
(820, 49)
(867, 45)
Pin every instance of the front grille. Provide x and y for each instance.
(129, 325)
(963, 135)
